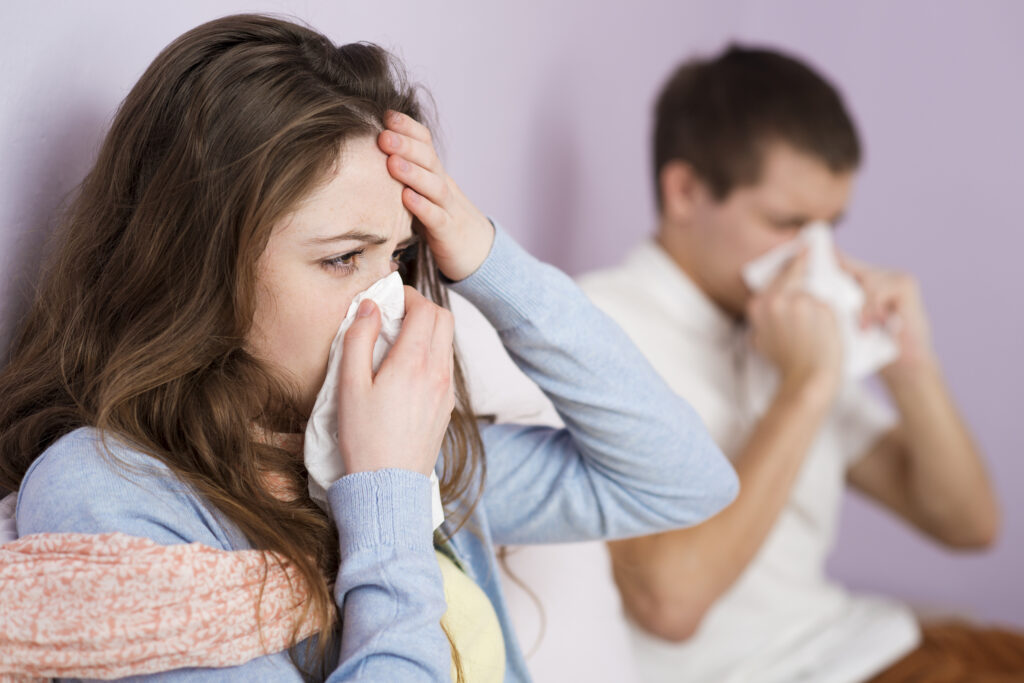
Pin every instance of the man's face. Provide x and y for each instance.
(795, 189)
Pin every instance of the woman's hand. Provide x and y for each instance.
(459, 236)
(398, 418)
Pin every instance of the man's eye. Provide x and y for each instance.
(786, 226)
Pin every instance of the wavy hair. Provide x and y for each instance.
(139, 323)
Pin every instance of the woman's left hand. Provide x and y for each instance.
(458, 234)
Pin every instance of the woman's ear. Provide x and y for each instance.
(680, 188)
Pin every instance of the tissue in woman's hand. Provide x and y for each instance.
(320, 446)
(864, 351)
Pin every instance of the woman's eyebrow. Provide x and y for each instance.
(408, 242)
(352, 235)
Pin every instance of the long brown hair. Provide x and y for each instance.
(139, 324)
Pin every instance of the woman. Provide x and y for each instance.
(253, 182)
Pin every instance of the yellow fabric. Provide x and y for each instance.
(472, 624)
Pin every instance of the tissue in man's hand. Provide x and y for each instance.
(864, 351)
(320, 446)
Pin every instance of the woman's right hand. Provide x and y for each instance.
(398, 417)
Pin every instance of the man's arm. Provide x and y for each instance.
(668, 581)
(928, 470)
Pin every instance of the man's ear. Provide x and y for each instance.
(680, 191)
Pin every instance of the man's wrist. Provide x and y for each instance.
(810, 390)
(906, 374)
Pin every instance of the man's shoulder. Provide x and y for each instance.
(622, 292)
(610, 282)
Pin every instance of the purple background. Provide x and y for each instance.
(544, 111)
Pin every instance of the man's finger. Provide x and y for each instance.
(855, 268)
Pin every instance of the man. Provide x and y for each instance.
(749, 148)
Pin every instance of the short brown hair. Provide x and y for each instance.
(718, 115)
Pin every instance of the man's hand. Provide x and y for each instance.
(797, 333)
(895, 296)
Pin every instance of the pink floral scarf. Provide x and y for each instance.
(110, 605)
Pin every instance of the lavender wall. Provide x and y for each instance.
(544, 111)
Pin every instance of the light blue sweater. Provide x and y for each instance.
(633, 459)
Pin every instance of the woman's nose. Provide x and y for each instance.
(383, 269)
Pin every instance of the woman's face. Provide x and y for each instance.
(350, 232)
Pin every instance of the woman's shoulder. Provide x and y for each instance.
(90, 482)
(87, 450)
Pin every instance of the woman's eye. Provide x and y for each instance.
(344, 262)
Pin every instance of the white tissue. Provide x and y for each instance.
(320, 446)
(864, 350)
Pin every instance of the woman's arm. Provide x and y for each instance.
(634, 458)
(74, 487)
(388, 588)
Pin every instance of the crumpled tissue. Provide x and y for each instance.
(864, 350)
(320, 446)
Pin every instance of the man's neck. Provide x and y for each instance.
(674, 243)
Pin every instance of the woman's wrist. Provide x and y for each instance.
(462, 260)
(388, 507)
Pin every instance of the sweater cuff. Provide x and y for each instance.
(390, 507)
(504, 287)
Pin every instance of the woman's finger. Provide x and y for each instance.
(357, 360)
(430, 214)
(444, 338)
(442, 355)
(424, 182)
(414, 338)
(416, 151)
(406, 125)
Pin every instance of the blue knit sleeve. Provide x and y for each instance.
(633, 458)
(83, 485)
(388, 588)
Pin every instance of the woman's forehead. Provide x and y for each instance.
(359, 194)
